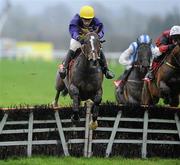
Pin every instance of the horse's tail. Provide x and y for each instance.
(64, 92)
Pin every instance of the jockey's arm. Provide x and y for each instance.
(164, 44)
(124, 58)
(74, 31)
(99, 27)
(156, 52)
(74, 27)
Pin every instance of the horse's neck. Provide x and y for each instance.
(82, 66)
(137, 74)
(174, 56)
(82, 63)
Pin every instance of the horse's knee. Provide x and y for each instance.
(59, 83)
(73, 90)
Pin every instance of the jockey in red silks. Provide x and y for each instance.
(87, 21)
(165, 43)
(129, 57)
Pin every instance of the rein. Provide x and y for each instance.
(82, 51)
(139, 66)
(134, 81)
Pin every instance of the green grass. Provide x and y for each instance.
(32, 82)
(87, 161)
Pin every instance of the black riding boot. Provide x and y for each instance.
(109, 74)
(63, 70)
(123, 79)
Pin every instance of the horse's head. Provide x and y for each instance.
(176, 39)
(144, 55)
(91, 48)
(173, 58)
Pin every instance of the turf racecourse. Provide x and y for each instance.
(32, 82)
(87, 161)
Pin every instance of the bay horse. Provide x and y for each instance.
(84, 79)
(133, 87)
(166, 82)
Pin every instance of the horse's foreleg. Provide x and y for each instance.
(95, 109)
(97, 101)
(74, 92)
(164, 88)
(146, 96)
(119, 96)
(55, 102)
(59, 87)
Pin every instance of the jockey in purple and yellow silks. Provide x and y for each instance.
(84, 21)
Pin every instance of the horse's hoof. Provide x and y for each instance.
(93, 125)
(54, 104)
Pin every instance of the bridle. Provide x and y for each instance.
(94, 52)
(139, 65)
(136, 64)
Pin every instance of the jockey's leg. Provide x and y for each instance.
(63, 70)
(74, 45)
(109, 74)
(74, 92)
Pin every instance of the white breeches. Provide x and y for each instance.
(74, 45)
